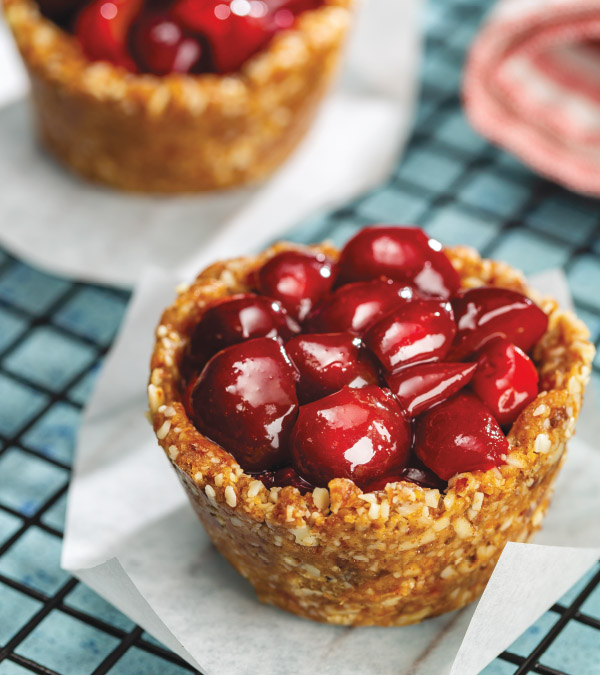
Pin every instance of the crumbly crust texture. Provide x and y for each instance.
(391, 557)
(177, 133)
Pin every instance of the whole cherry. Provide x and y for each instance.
(160, 45)
(236, 319)
(360, 434)
(487, 312)
(420, 475)
(299, 280)
(404, 254)
(328, 361)
(245, 400)
(459, 435)
(353, 308)
(418, 388)
(102, 29)
(235, 29)
(421, 330)
(505, 380)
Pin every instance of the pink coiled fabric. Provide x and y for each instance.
(532, 86)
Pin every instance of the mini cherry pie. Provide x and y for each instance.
(361, 432)
(177, 95)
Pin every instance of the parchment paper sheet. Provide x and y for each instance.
(132, 536)
(70, 227)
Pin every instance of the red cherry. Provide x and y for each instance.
(59, 11)
(245, 400)
(238, 318)
(355, 307)
(298, 280)
(235, 29)
(505, 380)
(420, 475)
(360, 434)
(459, 435)
(405, 254)
(102, 28)
(420, 387)
(160, 46)
(421, 330)
(328, 361)
(487, 312)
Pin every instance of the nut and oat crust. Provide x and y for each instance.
(390, 557)
(177, 133)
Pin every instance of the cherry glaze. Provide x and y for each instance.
(361, 434)
(404, 254)
(418, 388)
(459, 435)
(236, 319)
(245, 400)
(353, 308)
(421, 330)
(505, 380)
(328, 361)
(298, 280)
(487, 312)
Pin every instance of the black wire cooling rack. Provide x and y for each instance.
(54, 335)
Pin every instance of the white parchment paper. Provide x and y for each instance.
(73, 228)
(132, 536)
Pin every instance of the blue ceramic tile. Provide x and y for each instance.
(530, 252)
(591, 606)
(67, 645)
(531, 638)
(152, 640)
(11, 326)
(454, 225)
(11, 668)
(3, 257)
(343, 231)
(584, 279)
(16, 609)
(440, 73)
(499, 667)
(494, 194)
(392, 206)
(56, 514)
(9, 524)
(455, 131)
(85, 600)
(558, 217)
(81, 391)
(30, 289)
(576, 650)
(576, 589)
(20, 404)
(27, 482)
(92, 313)
(34, 560)
(54, 433)
(138, 662)
(430, 170)
(49, 359)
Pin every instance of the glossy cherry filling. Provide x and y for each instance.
(175, 36)
(382, 378)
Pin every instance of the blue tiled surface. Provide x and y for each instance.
(53, 334)
(67, 645)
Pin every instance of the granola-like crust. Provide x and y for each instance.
(177, 133)
(390, 557)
